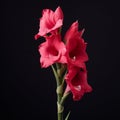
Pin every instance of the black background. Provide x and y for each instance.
(27, 91)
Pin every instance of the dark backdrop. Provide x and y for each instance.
(27, 91)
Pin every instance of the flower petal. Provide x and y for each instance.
(75, 45)
(50, 21)
(77, 81)
(52, 51)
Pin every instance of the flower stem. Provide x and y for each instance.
(60, 116)
(58, 72)
(60, 111)
(60, 107)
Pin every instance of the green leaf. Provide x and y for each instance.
(68, 115)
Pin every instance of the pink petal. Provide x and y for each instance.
(58, 14)
(77, 82)
(76, 47)
(52, 51)
(50, 21)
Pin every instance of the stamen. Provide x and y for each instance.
(77, 87)
(74, 58)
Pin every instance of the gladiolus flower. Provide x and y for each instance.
(52, 51)
(50, 21)
(77, 82)
(69, 52)
(75, 45)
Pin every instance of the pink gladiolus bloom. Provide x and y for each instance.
(75, 45)
(52, 51)
(50, 21)
(77, 82)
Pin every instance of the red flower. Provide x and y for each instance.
(77, 82)
(50, 21)
(75, 45)
(52, 51)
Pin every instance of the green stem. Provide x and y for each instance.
(59, 91)
(60, 111)
(60, 107)
(64, 97)
(60, 116)
(56, 75)
(58, 72)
